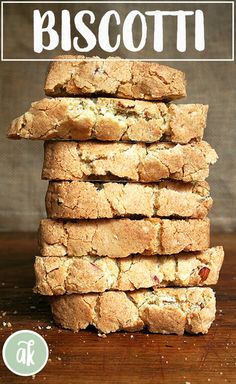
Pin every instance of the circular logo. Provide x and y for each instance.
(25, 353)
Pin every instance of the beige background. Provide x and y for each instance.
(22, 192)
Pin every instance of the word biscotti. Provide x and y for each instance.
(126, 242)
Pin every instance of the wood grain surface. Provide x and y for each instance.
(123, 357)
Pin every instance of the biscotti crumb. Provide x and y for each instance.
(7, 324)
(102, 335)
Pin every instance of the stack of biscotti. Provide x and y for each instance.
(126, 244)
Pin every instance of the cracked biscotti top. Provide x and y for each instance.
(86, 200)
(60, 275)
(163, 310)
(108, 119)
(114, 77)
(117, 238)
(71, 160)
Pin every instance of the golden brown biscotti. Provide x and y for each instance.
(60, 275)
(71, 160)
(122, 237)
(110, 120)
(81, 76)
(86, 200)
(164, 310)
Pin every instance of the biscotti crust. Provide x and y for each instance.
(117, 238)
(70, 160)
(85, 200)
(164, 310)
(60, 275)
(117, 78)
(110, 120)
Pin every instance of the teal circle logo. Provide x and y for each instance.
(25, 353)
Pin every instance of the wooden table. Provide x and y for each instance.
(123, 357)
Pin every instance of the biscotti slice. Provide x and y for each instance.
(60, 275)
(117, 238)
(81, 76)
(164, 310)
(85, 200)
(71, 160)
(110, 120)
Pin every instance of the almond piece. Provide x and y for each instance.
(203, 273)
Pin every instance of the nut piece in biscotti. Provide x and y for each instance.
(164, 310)
(117, 238)
(85, 200)
(71, 160)
(115, 77)
(60, 275)
(110, 120)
